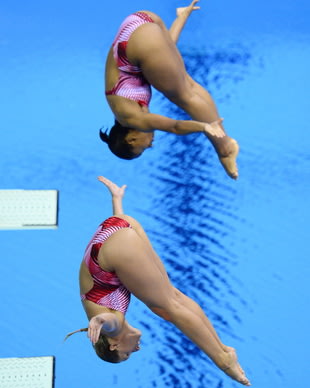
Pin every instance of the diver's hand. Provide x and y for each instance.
(94, 328)
(108, 323)
(214, 129)
(187, 10)
(115, 190)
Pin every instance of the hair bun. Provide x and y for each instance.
(104, 136)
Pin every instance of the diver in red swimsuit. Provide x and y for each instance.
(131, 83)
(120, 260)
(144, 53)
(107, 291)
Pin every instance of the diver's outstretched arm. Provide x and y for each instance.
(182, 16)
(147, 122)
(117, 194)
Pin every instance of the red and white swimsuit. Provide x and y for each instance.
(108, 291)
(131, 83)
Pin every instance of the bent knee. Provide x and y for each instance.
(183, 98)
(162, 313)
(168, 311)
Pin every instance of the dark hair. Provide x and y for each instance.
(116, 141)
(102, 349)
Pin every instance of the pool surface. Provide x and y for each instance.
(240, 249)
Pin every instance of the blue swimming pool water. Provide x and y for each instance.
(239, 248)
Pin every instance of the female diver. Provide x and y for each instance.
(144, 54)
(119, 260)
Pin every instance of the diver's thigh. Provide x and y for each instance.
(142, 234)
(162, 65)
(133, 263)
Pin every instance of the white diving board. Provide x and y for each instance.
(27, 372)
(28, 209)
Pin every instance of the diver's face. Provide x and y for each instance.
(130, 343)
(139, 141)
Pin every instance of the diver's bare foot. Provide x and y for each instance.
(228, 157)
(233, 369)
(228, 349)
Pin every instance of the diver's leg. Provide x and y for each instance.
(128, 255)
(226, 147)
(196, 309)
(163, 67)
